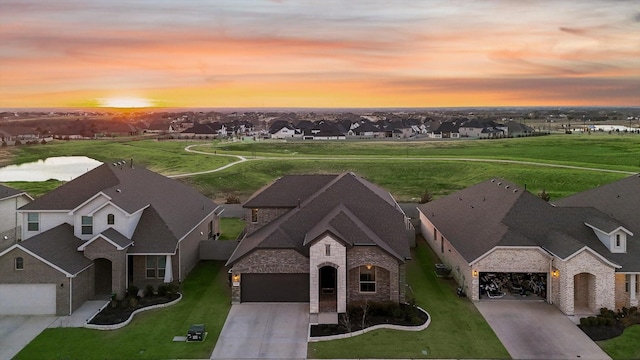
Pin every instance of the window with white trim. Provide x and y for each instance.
(87, 225)
(367, 278)
(327, 249)
(111, 219)
(156, 266)
(33, 221)
(254, 215)
(617, 240)
(627, 282)
(19, 263)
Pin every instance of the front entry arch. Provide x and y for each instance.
(103, 277)
(328, 291)
(584, 293)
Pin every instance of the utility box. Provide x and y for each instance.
(196, 332)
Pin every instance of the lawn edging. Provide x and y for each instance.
(371, 328)
(126, 322)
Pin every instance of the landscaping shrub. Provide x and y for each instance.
(163, 290)
(132, 291)
(148, 290)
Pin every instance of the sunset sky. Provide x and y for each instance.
(319, 53)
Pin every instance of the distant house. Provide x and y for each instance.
(110, 229)
(284, 130)
(446, 130)
(208, 130)
(160, 127)
(581, 253)
(324, 239)
(516, 129)
(10, 222)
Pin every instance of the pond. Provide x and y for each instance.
(62, 168)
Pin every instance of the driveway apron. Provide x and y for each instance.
(18, 331)
(537, 330)
(264, 331)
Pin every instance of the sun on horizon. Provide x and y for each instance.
(125, 102)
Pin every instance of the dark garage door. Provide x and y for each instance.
(275, 288)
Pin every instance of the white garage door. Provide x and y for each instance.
(27, 299)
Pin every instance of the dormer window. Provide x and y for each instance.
(33, 221)
(111, 219)
(617, 240)
(87, 225)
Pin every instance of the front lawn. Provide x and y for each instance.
(625, 346)
(457, 329)
(149, 336)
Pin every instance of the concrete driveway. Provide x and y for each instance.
(17, 331)
(264, 331)
(537, 330)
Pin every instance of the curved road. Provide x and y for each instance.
(242, 159)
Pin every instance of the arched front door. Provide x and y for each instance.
(584, 293)
(103, 273)
(328, 291)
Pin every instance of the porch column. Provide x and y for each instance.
(168, 270)
(633, 300)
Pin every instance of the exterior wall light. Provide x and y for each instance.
(555, 273)
(475, 273)
(235, 278)
(368, 266)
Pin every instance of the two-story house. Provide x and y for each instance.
(10, 222)
(323, 239)
(113, 227)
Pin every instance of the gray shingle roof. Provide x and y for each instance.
(499, 213)
(349, 206)
(179, 206)
(288, 191)
(60, 247)
(152, 235)
(115, 236)
(7, 192)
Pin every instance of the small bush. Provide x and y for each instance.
(602, 321)
(593, 321)
(163, 290)
(148, 290)
(232, 199)
(584, 321)
(132, 291)
(610, 321)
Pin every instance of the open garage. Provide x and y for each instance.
(28, 299)
(498, 285)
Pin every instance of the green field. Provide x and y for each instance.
(405, 168)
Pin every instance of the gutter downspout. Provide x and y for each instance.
(550, 281)
(70, 295)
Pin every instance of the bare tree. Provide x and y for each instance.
(544, 196)
(345, 321)
(426, 197)
(365, 309)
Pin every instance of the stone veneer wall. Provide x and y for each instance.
(337, 259)
(387, 275)
(265, 216)
(602, 289)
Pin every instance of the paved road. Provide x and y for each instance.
(242, 159)
(537, 330)
(264, 331)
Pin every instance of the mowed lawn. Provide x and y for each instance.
(625, 346)
(457, 329)
(149, 336)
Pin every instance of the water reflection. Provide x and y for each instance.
(63, 168)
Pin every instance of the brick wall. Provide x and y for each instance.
(83, 287)
(317, 259)
(140, 272)
(601, 288)
(272, 261)
(35, 272)
(265, 216)
(387, 274)
(100, 248)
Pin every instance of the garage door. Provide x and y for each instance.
(275, 288)
(27, 299)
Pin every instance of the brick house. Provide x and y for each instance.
(323, 239)
(583, 251)
(114, 227)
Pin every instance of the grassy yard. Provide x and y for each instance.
(625, 346)
(231, 228)
(457, 329)
(150, 334)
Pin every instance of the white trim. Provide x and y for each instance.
(18, 246)
(114, 205)
(86, 243)
(510, 248)
(594, 253)
(99, 193)
(43, 211)
(612, 231)
(17, 195)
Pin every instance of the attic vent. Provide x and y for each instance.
(515, 190)
(118, 190)
(506, 187)
(493, 180)
(500, 183)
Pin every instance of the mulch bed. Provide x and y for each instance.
(599, 332)
(337, 329)
(122, 311)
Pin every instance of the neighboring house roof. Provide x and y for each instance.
(204, 129)
(58, 247)
(357, 211)
(498, 213)
(132, 189)
(7, 192)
